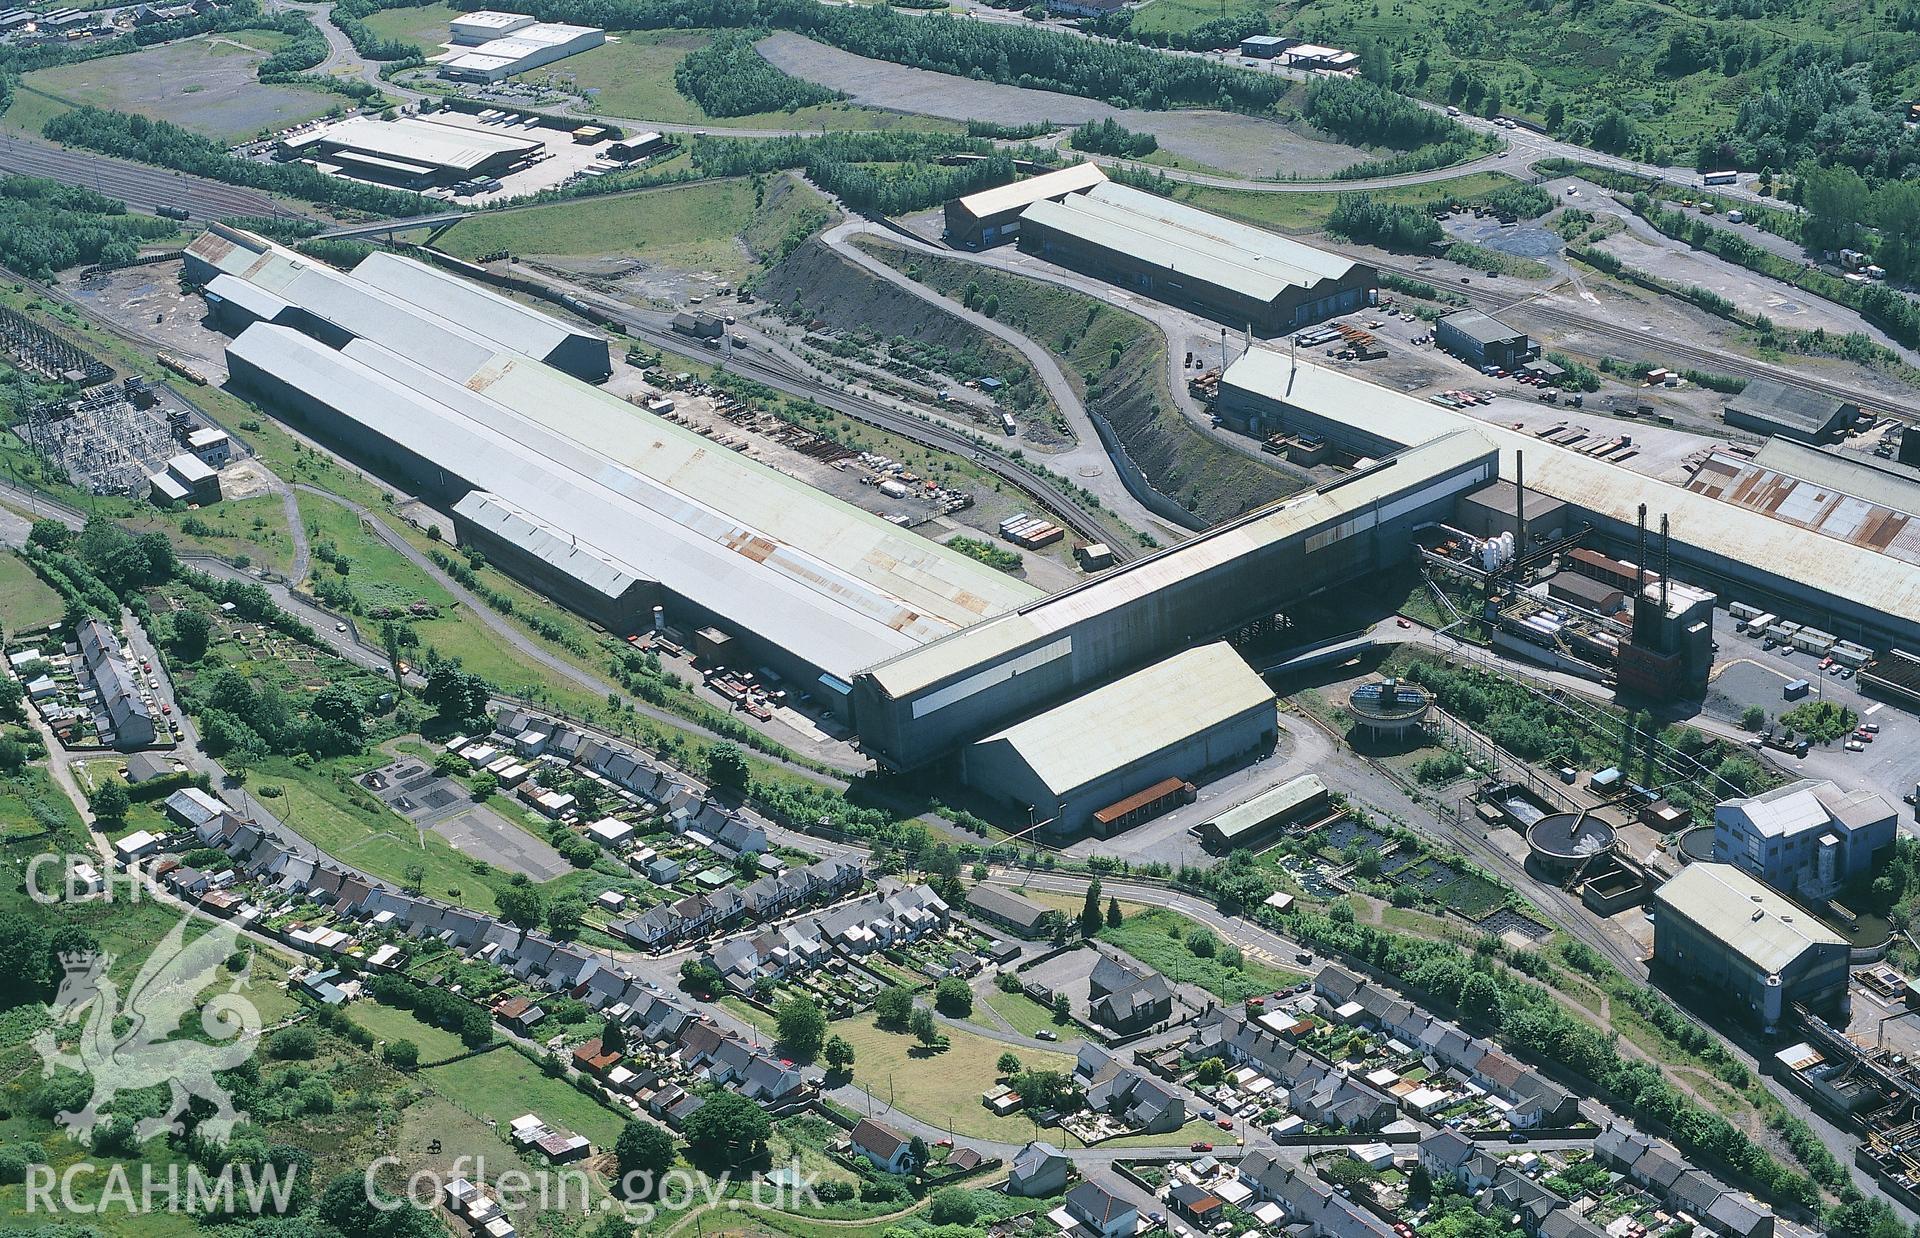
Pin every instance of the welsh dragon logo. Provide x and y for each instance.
(126, 1049)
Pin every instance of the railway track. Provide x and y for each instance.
(785, 377)
(1658, 346)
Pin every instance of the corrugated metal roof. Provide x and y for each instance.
(1814, 505)
(1112, 727)
(1033, 189)
(506, 322)
(582, 562)
(816, 609)
(249, 297)
(946, 588)
(978, 645)
(1889, 484)
(1268, 805)
(1481, 328)
(1748, 918)
(1189, 242)
(1789, 405)
(1724, 530)
(416, 141)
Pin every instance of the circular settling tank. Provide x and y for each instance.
(1565, 840)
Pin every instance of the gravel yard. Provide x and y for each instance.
(1244, 145)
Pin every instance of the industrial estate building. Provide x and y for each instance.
(1843, 585)
(411, 151)
(1726, 932)
(1197, 711)
(992, 216)
(524, 46)
(1230, 272)
(611, 508)
(913, 708)
(1768, 407)
(1483, 340)
(1253, 823)
(1807, 838)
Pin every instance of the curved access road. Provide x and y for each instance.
(1086, 462)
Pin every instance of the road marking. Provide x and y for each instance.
(1871, 710)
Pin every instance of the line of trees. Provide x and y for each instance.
(1367, 114)
(167, 145)
(349, 16)
(1390, 225)
(889, 172)
(47, 227)
(729, 77)
(1109, 137)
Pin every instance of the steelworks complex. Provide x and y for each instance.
(487, 409)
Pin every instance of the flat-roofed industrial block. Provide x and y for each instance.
(1229, 271)
(1769, 407)
(1255, 821)
(451, 151)
(571, 350)
(1725, 930)
(1481, 340)
(1495, 509)
(1723, 545)
(479, 27)
(1807, 838)
(522, 50)
(1266, 46)
(993, 215)
(1199, 710)
(913, 708)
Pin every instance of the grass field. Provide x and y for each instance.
(631, 76)
(424, 27)
(693, 227)
(1159, 938)
(206, 84)
(255, 528)
(502, 1085)
(26, 601)
(369, 835)
(940, 1088)
(390, 1023)
(1026, 1015)
(1180, 16)
(1308, 212)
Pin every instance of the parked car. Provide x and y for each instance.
(1046, 1033)
(1199, 1145)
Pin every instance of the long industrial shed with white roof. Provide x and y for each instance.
(613, 509)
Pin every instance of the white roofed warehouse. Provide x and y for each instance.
(1198, 711)
(605, 506)
(521, 50)
(992, 216)
(1230, 272)
(409, 152)
(1719, 928)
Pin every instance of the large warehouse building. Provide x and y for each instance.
(992, 216)
(249, 279)
(1843, 585)
(411, 152)
(612, 509)
(918, 706)
(1230, 272)
(521, 50)
(1721, 929)
(1198, 711)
